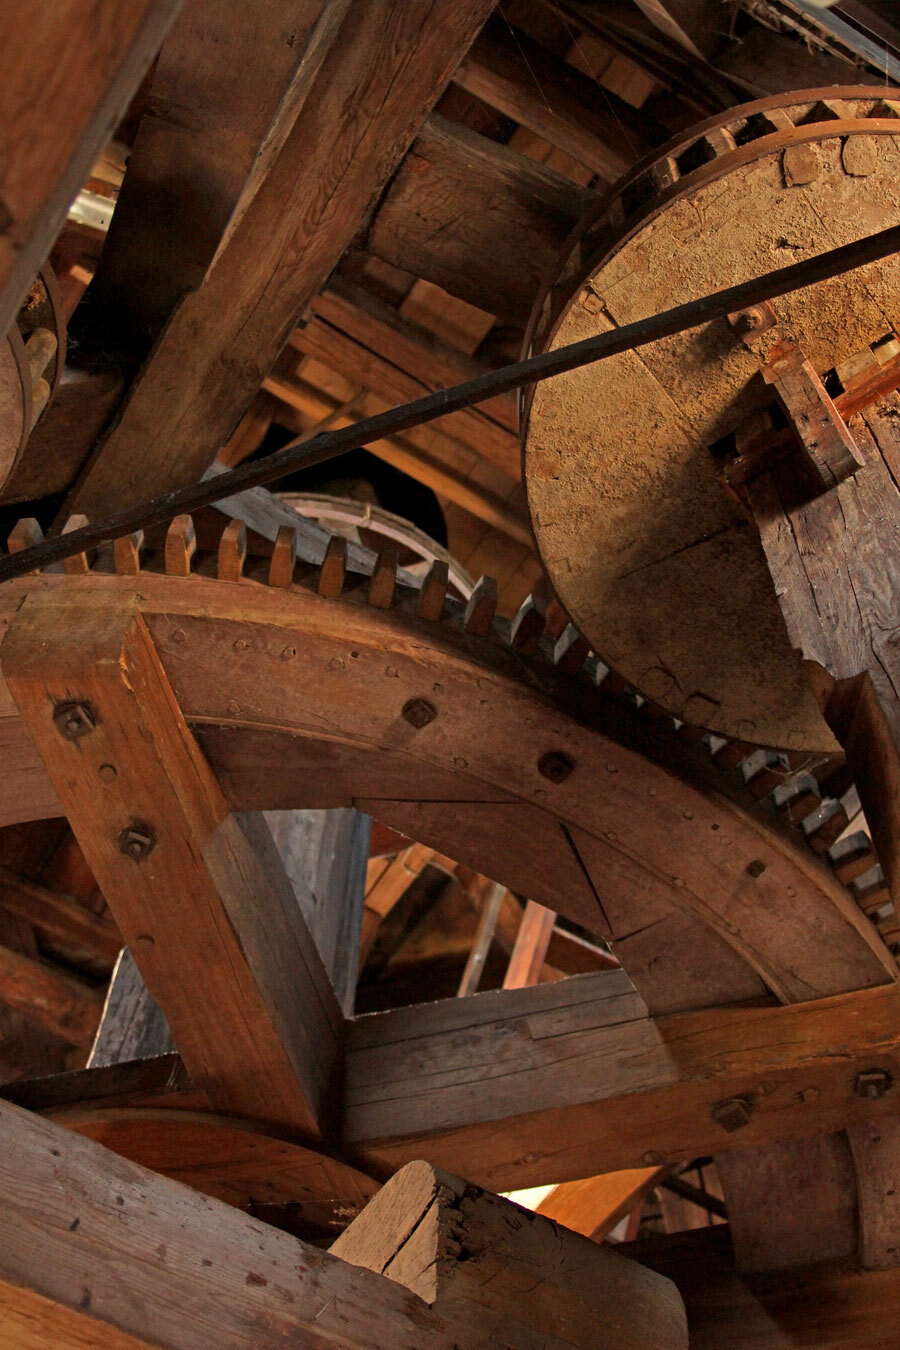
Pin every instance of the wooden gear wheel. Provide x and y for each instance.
(661, 572)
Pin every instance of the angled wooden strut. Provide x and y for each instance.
(201, 897)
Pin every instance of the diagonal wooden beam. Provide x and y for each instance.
(383, 73)
(201, 898)
(59, 917)
(70, 69)
(229, 84)
(67, 1007)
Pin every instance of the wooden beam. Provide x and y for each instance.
(70, 70)
(824, 1307)
(530, 950)
(382, 74)
(67, 1007)
(133, 1025)
(96, 1250)
(596, 1205)
(229, 84)
(526, 1281)
(569, 1079)
(375, 370)
(196, 894)
(511, 72)
(59, 917)
(476, 218)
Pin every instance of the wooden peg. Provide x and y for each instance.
(284, 556)
(571, 650)
(232, 551)
(334, 568)
(384, 578)
(481, 608)
(25, 534)
(79, 562)
(127, 554)
(528, 625)
(430, 603)
(181, 545)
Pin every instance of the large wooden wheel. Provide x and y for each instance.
(658, 568)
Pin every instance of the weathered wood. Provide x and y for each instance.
(569, 1079)
(524, 1280)
(530, 950)
(229, 84)
(382, 74)
(67, 1007)
(827, 1307)
(510, 71)
(191, 887)
(133, 1025)
(841, 606)
(96, 1250)
(71, 69)
(59, 917)
(596, 1205)
(478, 219)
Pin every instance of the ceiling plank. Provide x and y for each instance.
(202, 901)
(381, 76)
(518, 76)
(70, 69)
(476, 218)
(564, 1080)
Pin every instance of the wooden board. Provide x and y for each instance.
(646, 552)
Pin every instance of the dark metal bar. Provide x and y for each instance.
(711, 1203)
(328, 444)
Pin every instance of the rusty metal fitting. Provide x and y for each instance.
(73, 720)
(733, 1113)
(418, 712)
(137, 842)
(555, 765)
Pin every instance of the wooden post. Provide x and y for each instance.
(834, 560)
(201, 897)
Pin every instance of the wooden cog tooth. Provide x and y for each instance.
(232, 551)
(284, 556)
(875, 895)
(730, 755)
(481, 608)
(334, 568)
(127, 554)
(25, 534)
(571, 650)
(763, 772)
(825, 832)
(79, 562)
(181, 545)
(528, 625)
(795, 801)
(852, 857)
(384, 577)
(430, 603)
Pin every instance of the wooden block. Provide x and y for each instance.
(571, 650)
(852, 857)
(232, 551)
(284, 556)
(528, 625)
(796, 800)
(334, 568)
(874, 895)
(414, 1229)
(430, 603)
(79, 562)
(181, 545)
(823, 833)
(384, 578)
(731, 754)
(481, 608)
(127, 554)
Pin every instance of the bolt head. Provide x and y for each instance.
(137, 842)
(872, 1083)
(556, 765)
(732, 1114)
(73, 720)
(418, 712)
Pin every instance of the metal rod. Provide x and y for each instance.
(328, 444)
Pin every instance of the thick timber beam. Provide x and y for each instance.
(201, 898)
(565, 1080)
(381, 76)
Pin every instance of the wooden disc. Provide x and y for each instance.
(654, 564)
